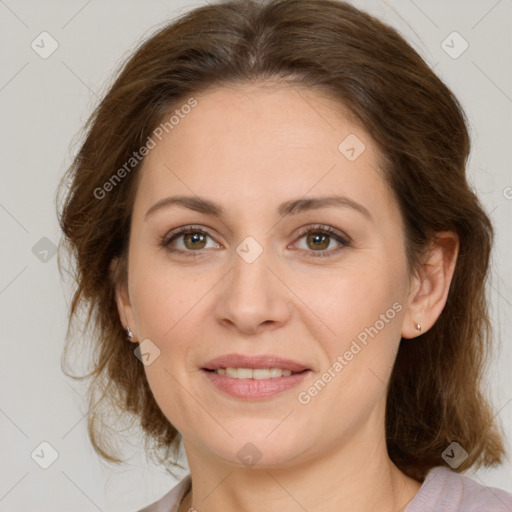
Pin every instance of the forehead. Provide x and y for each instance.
(252, 143)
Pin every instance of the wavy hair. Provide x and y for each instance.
(435, 393)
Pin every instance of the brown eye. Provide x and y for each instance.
(194, 240)
(318, 241)
(187, 241)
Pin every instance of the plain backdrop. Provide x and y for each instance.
(45, 101)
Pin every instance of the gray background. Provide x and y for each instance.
(44, 102)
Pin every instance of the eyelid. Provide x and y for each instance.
(325, 228)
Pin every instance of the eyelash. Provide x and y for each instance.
(317, 229)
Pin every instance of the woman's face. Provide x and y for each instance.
(257, 276)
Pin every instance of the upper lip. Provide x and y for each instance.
(255, 361)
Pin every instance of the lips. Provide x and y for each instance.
(254, 362)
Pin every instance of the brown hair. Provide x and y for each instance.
(435, 392)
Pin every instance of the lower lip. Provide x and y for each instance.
(254, 389)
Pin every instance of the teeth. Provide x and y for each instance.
(257, 373)
(243, 373)
(260, 373)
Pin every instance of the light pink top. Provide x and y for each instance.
(443, 490)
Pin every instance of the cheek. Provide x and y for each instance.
(162, 297)
(354, 300)
(363, 309)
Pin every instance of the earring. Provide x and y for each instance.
(128, 331)
(418, 327)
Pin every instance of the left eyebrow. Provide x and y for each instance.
(301, 205)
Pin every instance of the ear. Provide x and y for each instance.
(124, 307)
(429, 288)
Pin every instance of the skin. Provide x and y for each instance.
(250, 148)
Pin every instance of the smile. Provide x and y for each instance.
(250, 384)
(254, 373)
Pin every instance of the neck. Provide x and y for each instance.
(357, 476)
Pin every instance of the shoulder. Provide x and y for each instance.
(170, 501)
(447, 491)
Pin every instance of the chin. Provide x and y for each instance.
(257, 452)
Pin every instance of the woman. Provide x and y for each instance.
(271, 204)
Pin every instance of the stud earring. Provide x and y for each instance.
(418, 327)
(128, 331)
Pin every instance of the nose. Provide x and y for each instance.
(253, 299)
